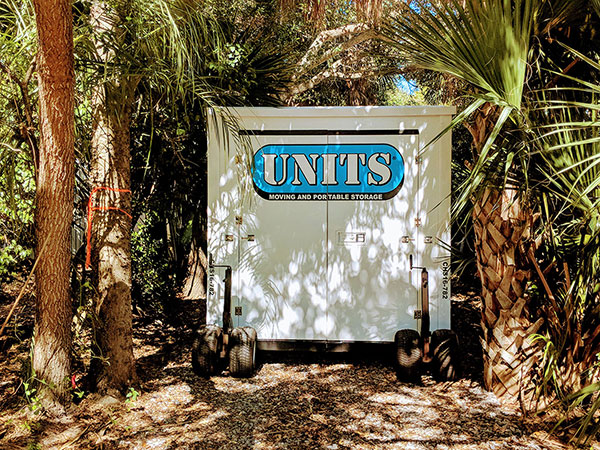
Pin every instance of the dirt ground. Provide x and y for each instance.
(293, 401)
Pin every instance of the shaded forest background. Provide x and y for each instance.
(525, 150)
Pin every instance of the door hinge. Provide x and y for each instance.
(238, 310)
(417, 314)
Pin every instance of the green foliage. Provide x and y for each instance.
(33, 401)
(132, 396)
(486, 47)
(397, 96)
(16, 210)
(17, 138)
(12, 257)
(153, 281)
(566, 167)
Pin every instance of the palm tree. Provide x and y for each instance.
(566, 170)
(161, 55)
(132, 40)
(488, 45)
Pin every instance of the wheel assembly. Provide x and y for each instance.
(444, 355)
(213, 345)
(408, 355)
(206, 349)
(242, 352)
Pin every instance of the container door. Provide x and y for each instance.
(371, 233)
(281, 285)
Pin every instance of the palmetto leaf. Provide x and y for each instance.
(596, 5)
(484, 44)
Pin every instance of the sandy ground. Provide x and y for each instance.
(292, 402)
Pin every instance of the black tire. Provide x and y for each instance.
(408, 355)
(242, 352)
(205, 350)
(444, 353)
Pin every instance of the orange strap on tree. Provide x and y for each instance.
(90, 214)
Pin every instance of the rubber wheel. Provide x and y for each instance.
(408, 355)
(205, 350)
(444, 352)
(242, 352)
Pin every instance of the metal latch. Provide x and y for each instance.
(429, 239)
(418, 222)
(238, 310)
(229, 237)
(406, 239)
(351, 237)
(418, 314)
(249, 238)
(238, 220)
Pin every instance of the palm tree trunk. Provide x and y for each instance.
(111, 226)
(54, 200)
(501, 227)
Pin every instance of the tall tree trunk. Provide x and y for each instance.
(54, 200)
(111, 225)
(502, 228)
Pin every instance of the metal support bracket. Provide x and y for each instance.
(425, 318)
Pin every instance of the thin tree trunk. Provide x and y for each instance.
(54, 200)
(197, 265)
(114, 370)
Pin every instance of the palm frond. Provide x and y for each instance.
(484, 44)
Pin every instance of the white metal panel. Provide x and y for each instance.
(435, 188)
(301, 278)
(372, 292)
(282, 288)
(223, 206)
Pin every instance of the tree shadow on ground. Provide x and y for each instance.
(306, 401)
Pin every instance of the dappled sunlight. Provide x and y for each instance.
(332, 270)
(162, 402)
(298, 405)
(395, 398)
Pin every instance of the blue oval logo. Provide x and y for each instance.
(328, 172)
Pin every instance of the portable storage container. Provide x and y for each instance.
(327, 216)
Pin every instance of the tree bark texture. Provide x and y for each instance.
(111, 226)
(197, 265)
(54, 200)
(501, 229)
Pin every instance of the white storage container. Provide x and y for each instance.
(319, 212)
